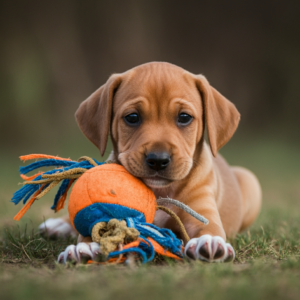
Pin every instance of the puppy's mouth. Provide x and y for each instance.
(156, 182)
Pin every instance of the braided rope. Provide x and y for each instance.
(46, 190)
(89, 159)
(66, 173)
(55, 179)
(183, 207)
(177, 220)
(112, 234)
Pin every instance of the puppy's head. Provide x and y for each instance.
(156, 114)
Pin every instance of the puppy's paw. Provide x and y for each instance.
(57, 228)
(80, 253)
(209, 248)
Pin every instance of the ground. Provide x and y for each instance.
(267, 263)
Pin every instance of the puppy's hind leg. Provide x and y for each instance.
(251, 193)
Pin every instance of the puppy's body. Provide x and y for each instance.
(219, 192)
(156, 114)
(231, 196)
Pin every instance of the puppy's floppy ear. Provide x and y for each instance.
(221, 116)
(94, 114)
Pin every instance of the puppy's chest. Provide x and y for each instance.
(164, 193)
(162, 218)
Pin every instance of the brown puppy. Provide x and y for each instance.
(156, 114)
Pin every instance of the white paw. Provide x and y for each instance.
(80, 253)
(209, 248)
(57, 228)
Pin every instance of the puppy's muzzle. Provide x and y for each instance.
(158, 161)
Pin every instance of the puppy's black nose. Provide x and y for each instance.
(158, 161)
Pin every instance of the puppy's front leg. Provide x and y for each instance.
(62, 227)
(208, 242)
(59, 227)
(85, 250)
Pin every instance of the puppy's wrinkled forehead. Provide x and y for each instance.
(158, 83)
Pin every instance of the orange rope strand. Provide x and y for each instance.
(132, 244)
(114, 259)
(36, 156)
(61, 201)
(21, 213)
(29, 178)
(160, 250)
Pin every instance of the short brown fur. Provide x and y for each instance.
(229, 197)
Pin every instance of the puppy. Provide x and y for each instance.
(156, 115)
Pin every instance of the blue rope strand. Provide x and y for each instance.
(148, 248)
(168, 241)
(33, 190)
(130, 250)
(21, 193)
(60, 192)
(45, 163)
(165, 237)
(28, 190)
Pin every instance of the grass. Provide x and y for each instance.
(267, 263)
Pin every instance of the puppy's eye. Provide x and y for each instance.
(184, 119)
(132, 119)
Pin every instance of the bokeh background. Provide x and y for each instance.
(54, 54)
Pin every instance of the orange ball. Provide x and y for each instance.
(109, 191)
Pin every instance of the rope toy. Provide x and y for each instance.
(107, 203)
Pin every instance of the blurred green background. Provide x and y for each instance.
(54, 54)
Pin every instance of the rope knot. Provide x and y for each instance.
(113, 233)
